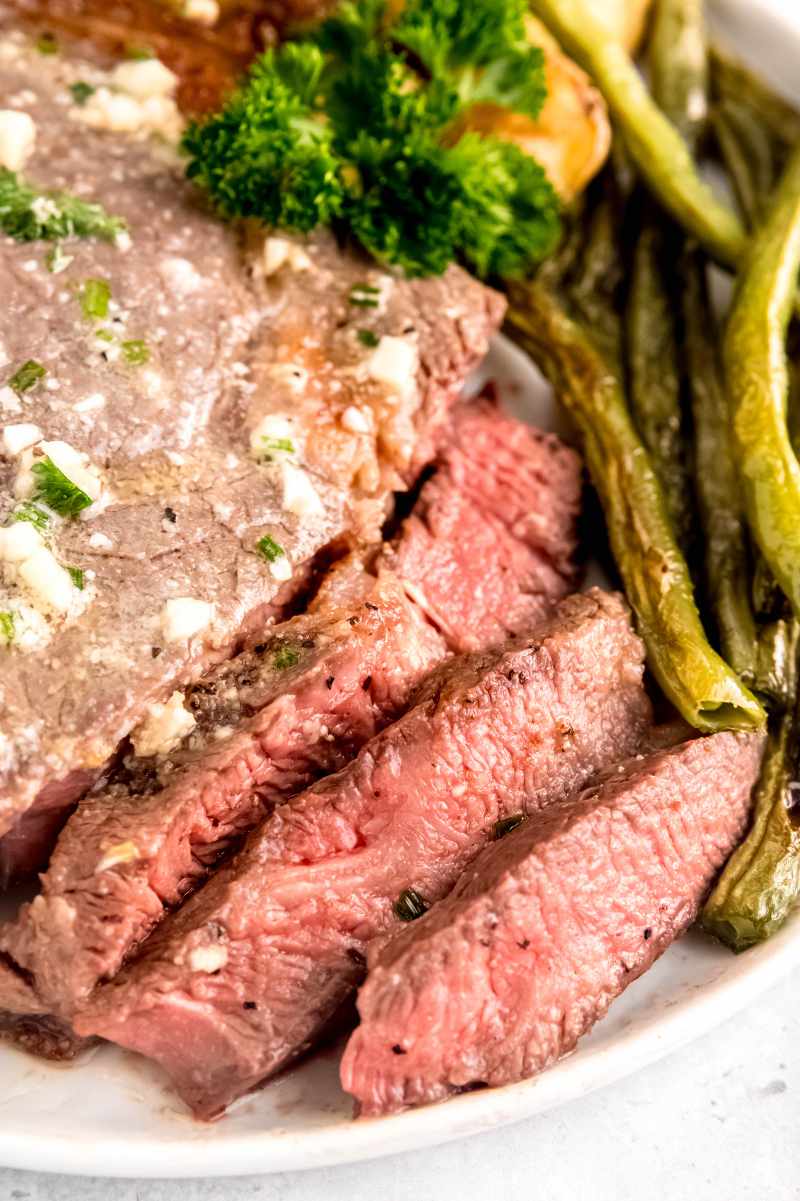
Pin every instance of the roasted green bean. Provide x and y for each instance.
(725, 550)
(761, 881)
(678, 61)
(699, 683)
(654, 376)
(732, 80)
(757, 382)
(748, 153)
(655, 145)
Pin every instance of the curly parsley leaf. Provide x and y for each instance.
(268, 154)
(358, 128)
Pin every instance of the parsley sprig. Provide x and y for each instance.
(360, 126)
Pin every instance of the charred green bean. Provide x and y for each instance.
(756, 373)
(699, 683)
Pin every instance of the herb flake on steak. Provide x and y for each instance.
(547, 927)
(318, 881)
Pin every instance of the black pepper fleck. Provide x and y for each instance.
(155, 651)
(398, 1050)
(648, 934)
(170, 514)
(367, 683)
(369, 605)
(329, 683)
(249, 1005)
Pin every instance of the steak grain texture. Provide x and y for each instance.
(133, 851)
(127, 857)
(547, 927)
(491, 542)
(252, 969)
(228, 347)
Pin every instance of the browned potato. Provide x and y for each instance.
(571, 135)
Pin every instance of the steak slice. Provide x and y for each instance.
(547, 927)
(248, 973)
(231, 343)
(490, 543)
(264, 732)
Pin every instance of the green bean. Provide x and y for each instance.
(693, 676)
(678, 60)
(774, 680)
(726, 557)
(761, 882)
(732, 80)
(749, 155)
(593, 287)
(656, 146)
(654, 377)
(756, 376)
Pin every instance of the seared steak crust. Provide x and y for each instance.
(547, 927)
(133, 851)
(188, 502)
(244, 977)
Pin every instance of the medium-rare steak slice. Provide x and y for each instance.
(277, 718)
(259, 412)
(272, 720)
(490, 543)
(547, 927)
(245, 976)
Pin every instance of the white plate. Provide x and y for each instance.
(112, 1115)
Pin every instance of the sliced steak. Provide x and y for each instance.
(245, 976)
(547, 927)
(185, 501)
(491, 543)
(269, 722)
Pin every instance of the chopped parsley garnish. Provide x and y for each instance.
(78, 577)
(28, 214)
(47, 43)
(81, 91)
(138, 53)
(361, 125)
(56, 261)
(27, 377)
(269, 549)
(136, 352)
(57, 491)
(272, 446)
(7, 626)
(285, 657)
(367, 338)
(95, 295)
(409, 905)
(105, 335)
(28, 511)
(364, 296)
(506, 825)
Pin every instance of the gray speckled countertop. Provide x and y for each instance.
(716, 1122)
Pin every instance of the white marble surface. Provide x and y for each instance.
(718, 1121)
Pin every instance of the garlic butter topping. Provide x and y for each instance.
(17, 138)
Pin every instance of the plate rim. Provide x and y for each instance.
(702, 1007)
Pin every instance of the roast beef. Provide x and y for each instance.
(299, 705)
(250, 970)
(184, 500)
(491, 540)
(547, 927)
